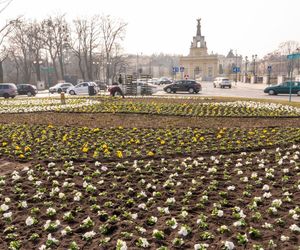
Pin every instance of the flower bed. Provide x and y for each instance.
(25, 142)
(106, 105)
(245, 200)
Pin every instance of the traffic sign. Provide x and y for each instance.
(175, 69)
(293, 56)
(236, 69)
(181, 69)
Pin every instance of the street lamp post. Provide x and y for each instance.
(236, 66)
(246, 69)
(298, 50)
(37, 63)
(108, 73)
(254, 57)
(96, 64)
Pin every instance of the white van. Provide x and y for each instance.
(222, 82)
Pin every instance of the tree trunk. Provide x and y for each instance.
(80, 67)
(1, 72)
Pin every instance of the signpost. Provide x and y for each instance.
(236, 70)
(269, 73)
(181, 68)
(292, 57)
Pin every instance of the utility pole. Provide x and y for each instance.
(254, 57)
(246, 70)
(236, 72)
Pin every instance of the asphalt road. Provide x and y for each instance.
(238, 90)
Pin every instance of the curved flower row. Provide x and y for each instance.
(239, 108)
(25, 142)
(107, 105)
(237, 201)
(43, 105)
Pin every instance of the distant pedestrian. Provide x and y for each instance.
(120, 80)
(116, 90)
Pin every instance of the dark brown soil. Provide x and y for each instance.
(104, 120)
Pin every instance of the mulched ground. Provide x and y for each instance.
(105, 120)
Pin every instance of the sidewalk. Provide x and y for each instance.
(243, 85)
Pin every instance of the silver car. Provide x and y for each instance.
(222, 82)
(8, 90)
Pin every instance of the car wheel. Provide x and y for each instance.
(6, 95)
(72, 92)
(169, 90)
(191, 90)
(271, 92)
(229, 87)
(298, 93)
(29, 93)
(59, 91)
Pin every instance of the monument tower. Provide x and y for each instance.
(199, 64)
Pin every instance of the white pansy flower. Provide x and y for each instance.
(295, 228)
(183, 231)
(267, 195)
(284, 238)
(4, 207)
(29, 221)
(229, 245)
(201, 246)
(220, 213)
(7, 215)
(266, 187)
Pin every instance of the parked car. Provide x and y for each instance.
(27, 89)
(284, 88)
(83, 88)
(164, 80)
(60, 87)
(102, 85)
(190, 86)
(222, 82)
(8, 90)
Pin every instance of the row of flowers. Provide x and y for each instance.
(43, 105)
(107, 105)
(25, 142)
(228, 109)
(221, 201)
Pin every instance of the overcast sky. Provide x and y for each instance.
(167, 26)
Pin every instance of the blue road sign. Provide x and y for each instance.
(236, 69)
(181, 69)
(293, 56)
(175, 69)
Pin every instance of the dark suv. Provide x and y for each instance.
(190, 86)
(27, 89)
(8, 90)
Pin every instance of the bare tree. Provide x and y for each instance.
(288, 47)
(112, 31)
(22, 44)
(36, 41)
(77, 45)
(4, 4)
(86, 42)
(56, 38)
